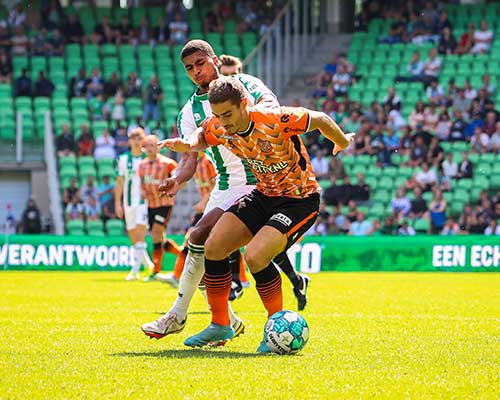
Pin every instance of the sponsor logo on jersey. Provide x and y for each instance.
(265, 145)
(262, 168)
(281, 218)
(197, 116)
(288, 129)
(285, 118)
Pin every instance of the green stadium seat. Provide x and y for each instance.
(115, 227)
(109, 50)
(95, 228)
(86, 161)
(75, 227)
(137, 14)
(68, 171)
(421, 225)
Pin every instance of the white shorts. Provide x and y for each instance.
(224, 199)
(136, 216)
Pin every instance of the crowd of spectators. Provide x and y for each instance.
(457, 113)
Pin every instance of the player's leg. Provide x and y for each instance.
(228, 234)
(236, 286)
(174, 320)
(300, 282)
(259, 253)
(136, 233)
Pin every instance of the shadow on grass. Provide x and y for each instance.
(191, 353)
(190, 313)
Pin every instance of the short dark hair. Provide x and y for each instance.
(196, 45)
(231, 61)
(226, 88)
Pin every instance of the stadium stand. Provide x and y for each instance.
(110, 62)
(397, 59)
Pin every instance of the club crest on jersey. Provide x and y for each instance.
(265, 145)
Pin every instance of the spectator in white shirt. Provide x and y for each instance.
(469, 91)
(493, 228)
(400, 205)
(415, 68)
(425, 178)
(450, 167)
(105, 146)
(480, 142)
(432, 67)
(435, 93)
(482, 39)
(341, 81)
(320, 165)
(495, 139)
(406, 230)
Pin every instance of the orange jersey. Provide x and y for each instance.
(274, 152)
(204, 176)
(151, 174)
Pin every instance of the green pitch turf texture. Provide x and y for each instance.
(373, 335)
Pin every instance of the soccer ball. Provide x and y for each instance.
(286, 332)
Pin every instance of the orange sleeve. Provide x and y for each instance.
(293, 121)
(290, 120)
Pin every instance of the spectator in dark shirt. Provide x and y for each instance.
(332, 194)
(31, 222)
(457, 128)
(133, 87)
(111, 86)
(70, 192)
(465, 168)
(361, 190)
(447, 42)
(392, 100)
(154, 95)
(43, 86)
(418, 152)
(40, 45)
(56, 44)
(124, 30)
(73, 29)
(121, 141)
(65, 142)
(23, 85)
(418, 205)
(78, 85)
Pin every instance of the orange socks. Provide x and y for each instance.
(179, 263)
(171, 247)
(268, 285)
(157, 257)
(217, 281)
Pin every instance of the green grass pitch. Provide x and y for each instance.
(68, 335)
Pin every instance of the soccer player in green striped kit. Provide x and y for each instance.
(234, 180)
(129, 202)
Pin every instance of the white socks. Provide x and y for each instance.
(140, 250)
(194, 268)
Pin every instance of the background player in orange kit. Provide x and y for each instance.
(272, 217)
(152, 170)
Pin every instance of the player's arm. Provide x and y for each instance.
(195, 144)
(329, 129)
(118, 196)
(183, 173)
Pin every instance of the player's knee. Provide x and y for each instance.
(254, 260)
(215, 250)
(199, 234)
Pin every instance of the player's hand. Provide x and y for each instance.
(119, 211)
(177, 144)
(337, 149)
(199, 207)
(169, 187)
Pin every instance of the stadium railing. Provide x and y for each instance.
(291, 38)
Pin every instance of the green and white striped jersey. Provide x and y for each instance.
(231, 170)
(127, 167)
